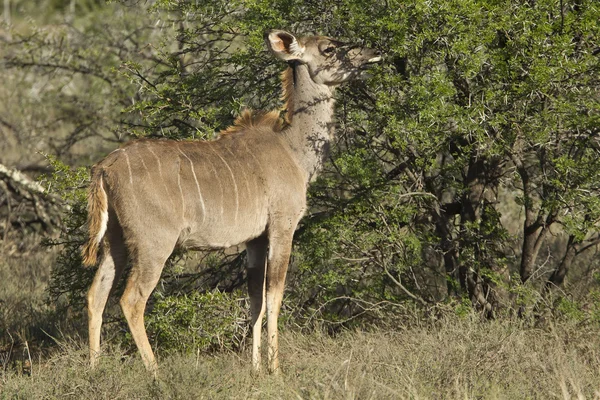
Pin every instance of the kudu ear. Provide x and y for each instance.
(284, 45)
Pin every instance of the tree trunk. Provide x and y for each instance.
(449, 252)
(558, 275)
(532, 229)
(535, 227)
(472, 208)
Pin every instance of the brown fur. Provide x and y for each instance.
(249, 186)
(97, 204)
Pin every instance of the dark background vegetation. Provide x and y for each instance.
(463, 183)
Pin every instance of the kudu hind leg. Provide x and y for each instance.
(143, 279)
(114, 259)
(257, 256)
(277, 265)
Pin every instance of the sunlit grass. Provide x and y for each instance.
(449, 359)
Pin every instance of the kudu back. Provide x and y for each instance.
(248, 186)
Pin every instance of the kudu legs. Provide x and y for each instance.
(114, 259)
(145, 273)
(257, 257)
(268, 258)
(280, 248)
(266, 279)
(144, 277)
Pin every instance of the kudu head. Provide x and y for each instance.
(329, 61)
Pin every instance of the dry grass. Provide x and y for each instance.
(448, 359)
(451, 359)
(23, 282)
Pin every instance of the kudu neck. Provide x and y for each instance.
(311, 117)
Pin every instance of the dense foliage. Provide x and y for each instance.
(200, 322)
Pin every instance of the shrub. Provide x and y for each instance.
(199, 322)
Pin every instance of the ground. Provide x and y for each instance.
(457, 357)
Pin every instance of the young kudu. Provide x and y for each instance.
(248, 186)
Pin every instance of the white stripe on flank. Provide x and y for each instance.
(104, 217)
(253, 156)
(245, 180)
(161, 176)
(129, 168)
(145, 167)
(243, 172)
(220, 187)
(181, 191)
(157, 161)
(197, 185)
(257, 190)
(235, 189)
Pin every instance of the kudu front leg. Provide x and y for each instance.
(280, 248)
(257, 257)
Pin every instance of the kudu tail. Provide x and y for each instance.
(97, 219)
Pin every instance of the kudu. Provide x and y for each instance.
(248, 186)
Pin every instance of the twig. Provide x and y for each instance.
(29, 357)
(404, 289)
(12, 345)
(364, 304)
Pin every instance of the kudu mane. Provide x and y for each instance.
(249, 119)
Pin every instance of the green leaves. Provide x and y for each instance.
(69, 280)
(200, 322)
(70, 182)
